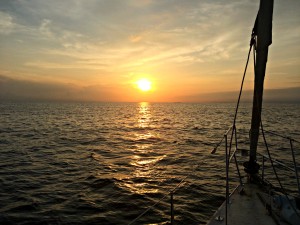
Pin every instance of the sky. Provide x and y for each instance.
(96, 50)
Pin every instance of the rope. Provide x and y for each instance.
(242, 84)
(252, 42)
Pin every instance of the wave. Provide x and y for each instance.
(64, 166)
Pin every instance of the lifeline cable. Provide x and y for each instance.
(162, 198)
(275, 172)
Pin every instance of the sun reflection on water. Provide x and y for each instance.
(144, 114)
(144, 158)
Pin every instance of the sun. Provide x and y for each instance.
(144, 84)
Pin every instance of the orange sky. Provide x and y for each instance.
(96, 50)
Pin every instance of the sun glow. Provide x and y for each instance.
(144, 84)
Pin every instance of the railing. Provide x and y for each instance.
(276, 163)
(230, 141)
(295, 169)
(228, 157)
(229, 137)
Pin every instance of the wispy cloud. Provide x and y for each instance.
(16, 90)
(75, 38)
(6, 23)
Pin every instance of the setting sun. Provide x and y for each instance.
(144, 84)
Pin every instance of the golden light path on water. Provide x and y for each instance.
(142, 158)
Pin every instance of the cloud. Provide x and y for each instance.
(183, 31)
(83, 64)
(45, 28)
(25, 90)
(270, 95)
(76, 39)
(6, 23)
(135, 38)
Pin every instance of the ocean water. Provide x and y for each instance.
(106, 163)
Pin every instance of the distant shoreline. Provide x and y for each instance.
(28, 91)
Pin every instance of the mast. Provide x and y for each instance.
(263, 32)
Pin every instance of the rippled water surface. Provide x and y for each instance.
(106, 163)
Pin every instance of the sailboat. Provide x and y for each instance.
(254, 201)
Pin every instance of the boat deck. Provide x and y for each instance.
(245, 206)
